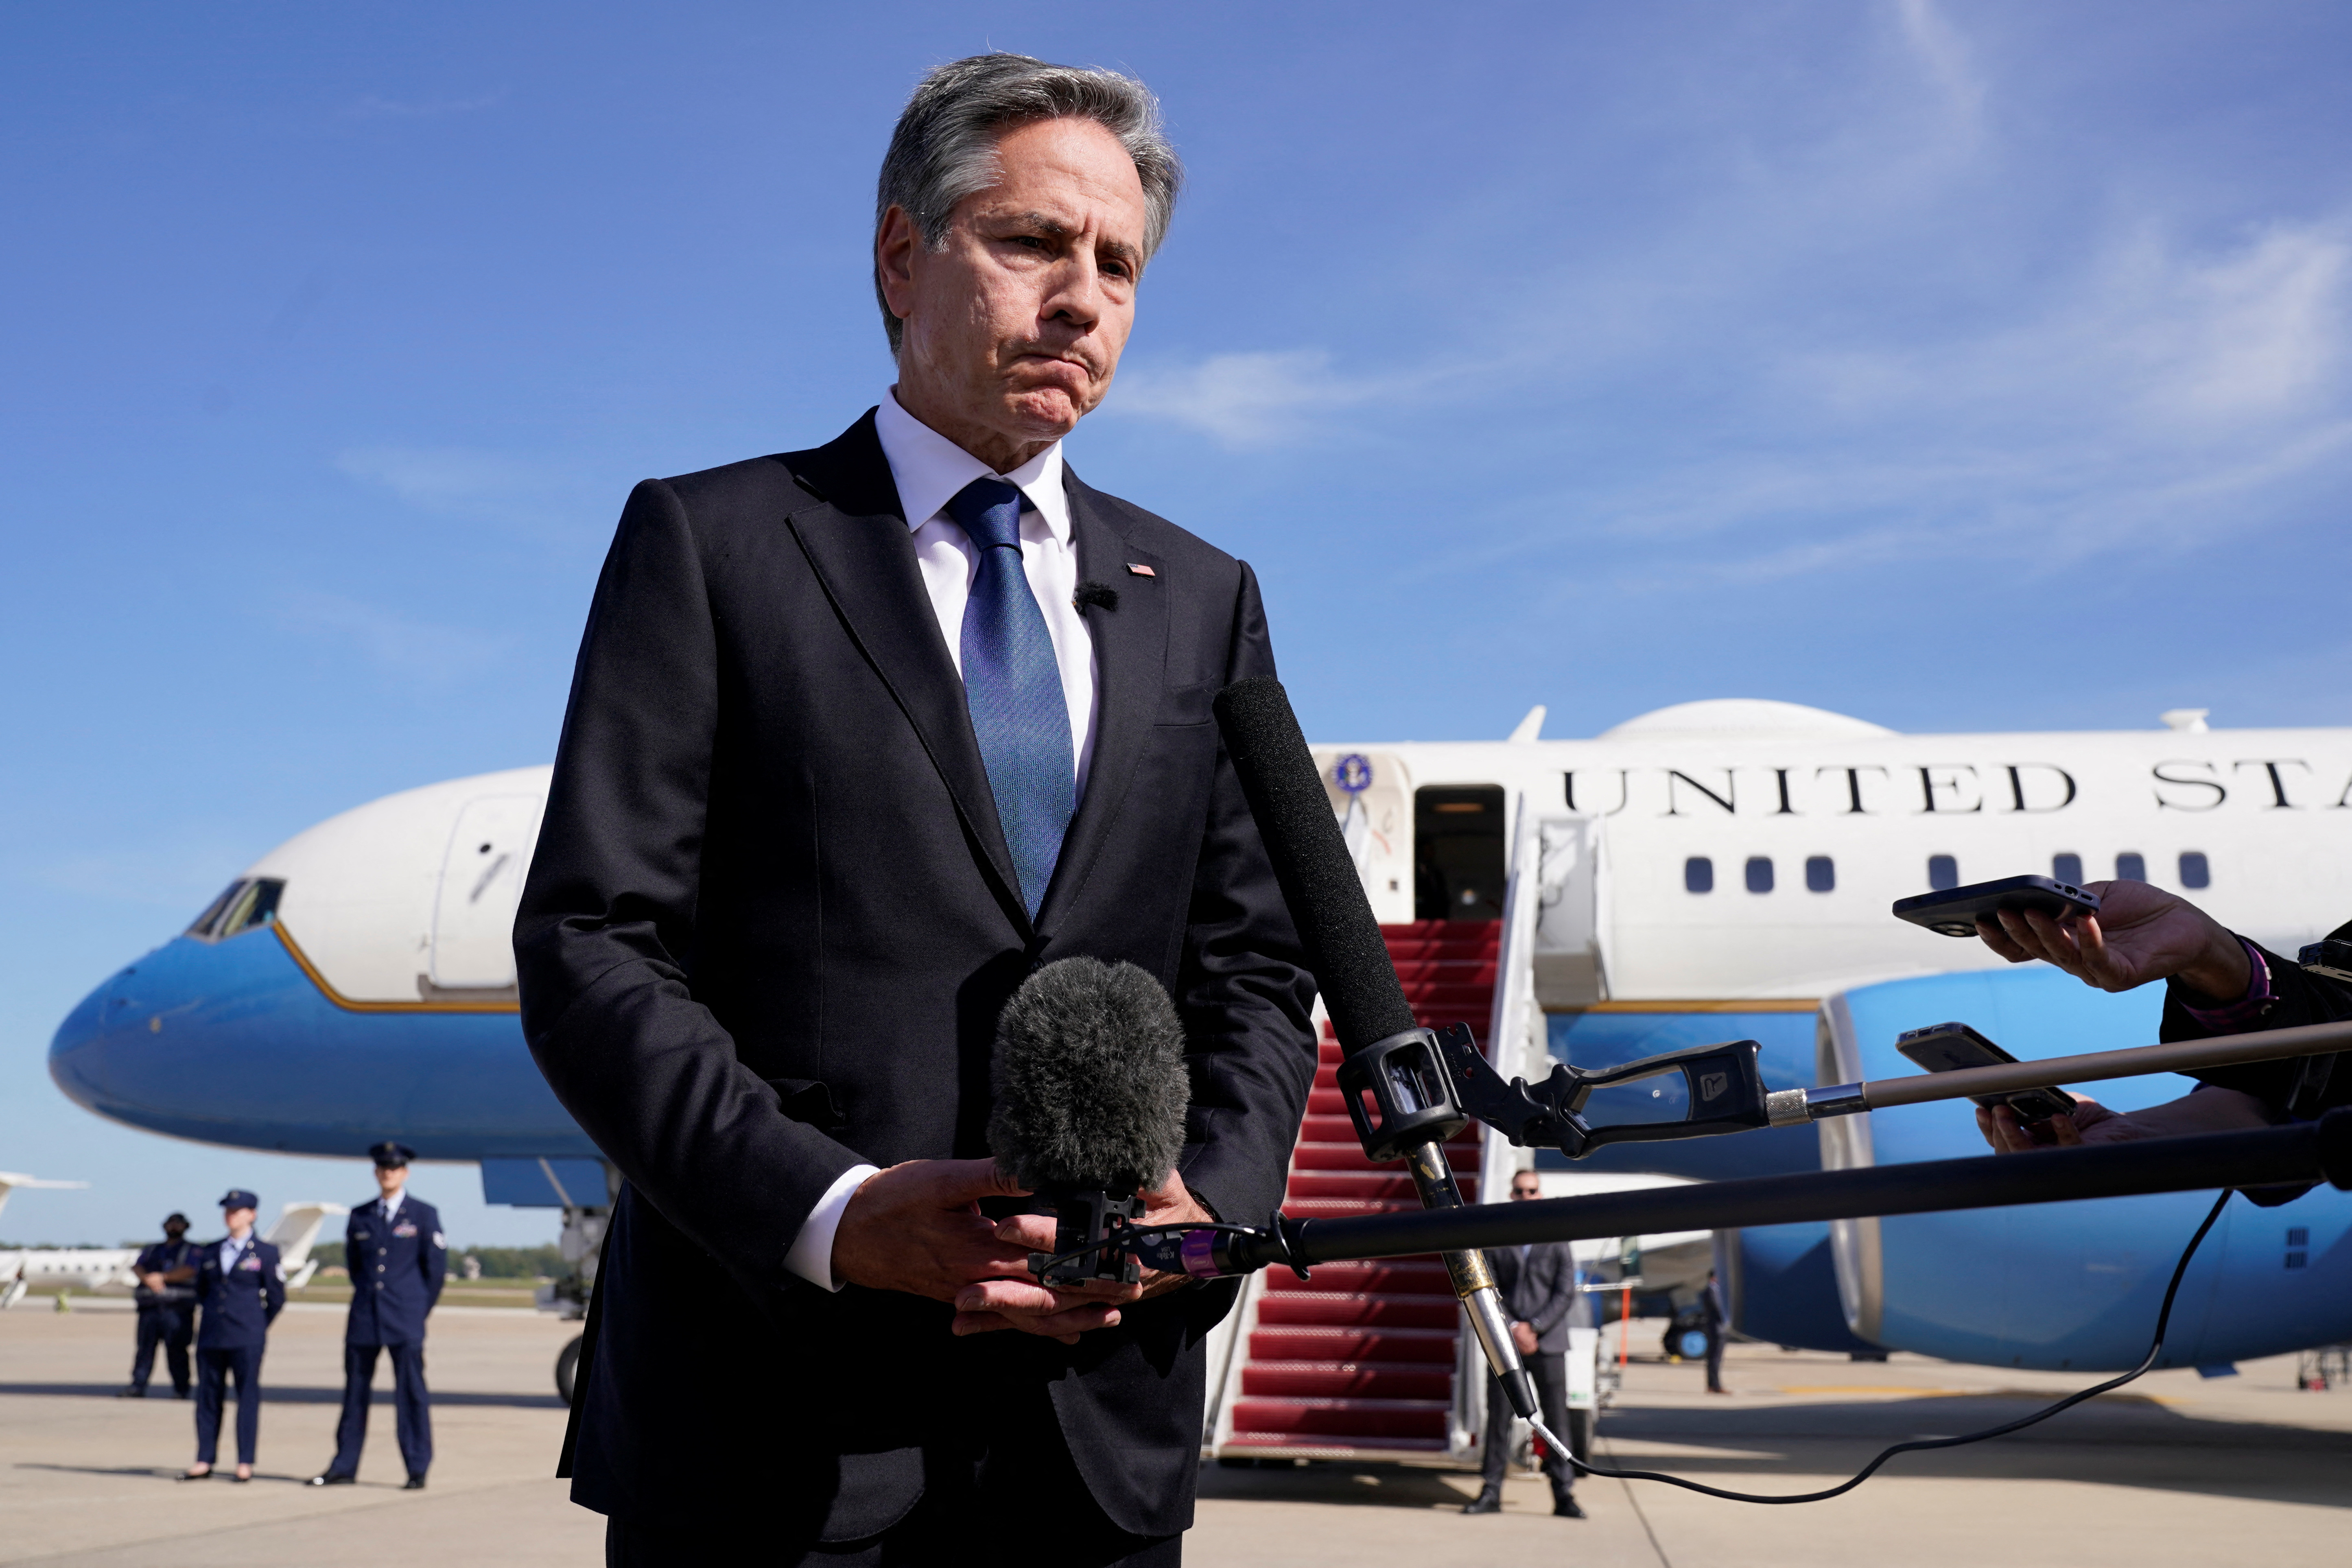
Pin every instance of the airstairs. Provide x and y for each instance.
(1363, 1359)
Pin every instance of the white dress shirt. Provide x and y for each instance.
(929, 470)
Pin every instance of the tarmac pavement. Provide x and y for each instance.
(2177, 1470)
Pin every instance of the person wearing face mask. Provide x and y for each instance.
(167, 1308)
(241, 1291)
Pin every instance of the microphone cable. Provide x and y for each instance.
(2163, 1318)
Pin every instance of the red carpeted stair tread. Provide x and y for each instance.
(1359, 1358)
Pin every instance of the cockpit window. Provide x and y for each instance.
(250, 902)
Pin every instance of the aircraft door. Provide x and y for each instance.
(482, 881)
(1458, 852)
(1569, 968)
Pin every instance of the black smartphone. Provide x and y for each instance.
(1941, 1047)
(1954, 910)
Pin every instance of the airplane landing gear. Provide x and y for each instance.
(567, 1369)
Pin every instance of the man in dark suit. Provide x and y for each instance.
(1539, 1287)
(166, 1298)
(398, 1259)
(241, 1291)
(860, 736)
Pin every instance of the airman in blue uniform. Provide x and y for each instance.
(167, 1308)
(241, 1291)
(398, 1258)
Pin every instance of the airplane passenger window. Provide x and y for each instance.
(1820, 874)
(2131, 868)
(2194, 871)
(1759, 874)
(1698, 875)
(1943, 872)
(2067, 868)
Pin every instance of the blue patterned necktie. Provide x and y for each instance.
(1013, 688)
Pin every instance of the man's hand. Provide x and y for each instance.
(917, 1227)
(1020, 1302)
(152, 1281)
(1524, 1336)
(2209, 1108)
(2008, 1135)
(2140, 934)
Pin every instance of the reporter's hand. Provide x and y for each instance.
(917, 1227)
(1020, 1302)
(2091, 1123)
(2140, 934)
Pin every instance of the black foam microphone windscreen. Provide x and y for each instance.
(1090, 1081)
(1311, 862)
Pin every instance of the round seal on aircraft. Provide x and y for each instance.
(1352, 773)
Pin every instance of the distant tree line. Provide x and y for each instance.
(518, 1262)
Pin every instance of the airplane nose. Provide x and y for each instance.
(77, 1050)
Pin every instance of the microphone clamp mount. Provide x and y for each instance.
(1725, 1084)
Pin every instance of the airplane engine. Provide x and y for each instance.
(2061, 1286)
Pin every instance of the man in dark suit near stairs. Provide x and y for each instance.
(1539, 1287)
(860, 736)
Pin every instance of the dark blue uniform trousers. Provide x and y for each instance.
(413, 1418)
(168, 1325)
(213, 1369)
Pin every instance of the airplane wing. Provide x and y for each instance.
(295, 1232)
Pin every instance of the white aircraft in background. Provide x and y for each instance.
(1714, 870)
(96, 1268)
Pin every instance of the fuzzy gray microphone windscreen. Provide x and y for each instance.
(1089, 1079)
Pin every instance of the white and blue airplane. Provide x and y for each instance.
(1709, 871)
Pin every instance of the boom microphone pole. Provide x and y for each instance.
(2301, 1153)
(1788, 1107)
(1394, 1079)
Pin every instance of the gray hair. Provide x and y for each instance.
(945, 146)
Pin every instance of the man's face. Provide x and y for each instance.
(390, 1179)
(1526, 1185)
(1015, 327)
(175, 1228)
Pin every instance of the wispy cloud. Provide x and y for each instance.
(491, 487)
(421, 653)
(1943, 56)
(1894, 341)
(1259, 398)
(369, 106)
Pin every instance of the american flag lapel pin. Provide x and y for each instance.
(1136, 568)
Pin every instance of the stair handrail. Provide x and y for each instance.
(1510, 1038)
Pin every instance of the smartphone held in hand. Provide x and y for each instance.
(1956, 911)
(1942, 1047)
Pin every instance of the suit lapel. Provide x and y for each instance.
(856, 539)
(1130, 664)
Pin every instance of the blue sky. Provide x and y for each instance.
(1959, 366)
